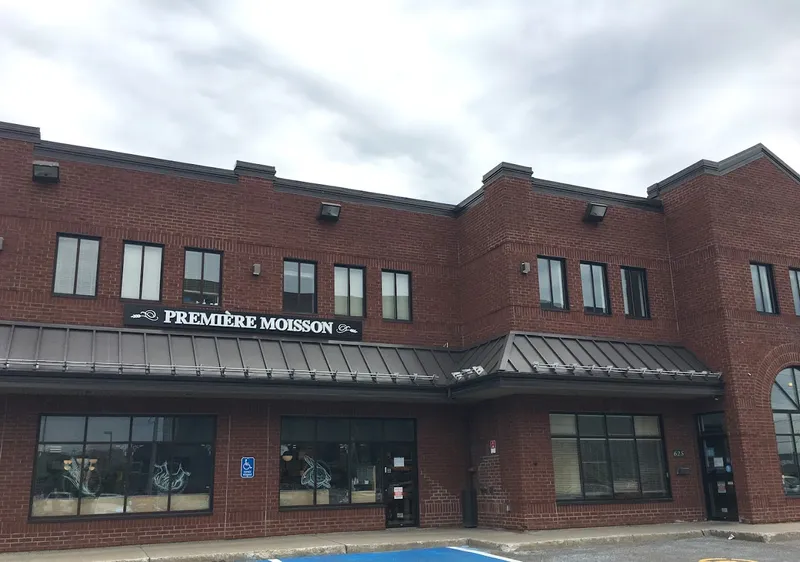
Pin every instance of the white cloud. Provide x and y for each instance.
(411, 97)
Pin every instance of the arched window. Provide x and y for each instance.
(786, 415)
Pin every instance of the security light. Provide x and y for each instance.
(45, 172)
(329, 212)
(595, 212)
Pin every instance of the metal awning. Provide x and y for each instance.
(77, 355)
(149, 353)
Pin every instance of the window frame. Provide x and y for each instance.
(609, 463)
(563, 262)
(794, 281)
(79, 238)
(773, 292)
(141, 272)
(594, 310)
(351, 441)
(298, 293)
(203, 251)
(363, 289)
(626, 288)
(395, 272)
(123, 516)
(795, 432)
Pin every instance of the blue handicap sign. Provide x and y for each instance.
(248, 467)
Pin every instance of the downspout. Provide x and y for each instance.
(3, 430)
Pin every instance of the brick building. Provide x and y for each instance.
(194, 353)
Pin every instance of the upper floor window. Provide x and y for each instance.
(786, 416)
(141, 271)
(299, 286)
(634, 292)
(76, 265)
(794, 278)
(396, 291)
(608, 457)
(348, 290)
(594, 285)
(202, 277)
(552, 283)
(764, 288)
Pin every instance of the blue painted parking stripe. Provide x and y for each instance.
(445, 554)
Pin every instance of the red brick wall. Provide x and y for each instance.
(716, 226)
(516, 487)
(241, 508)
(249, 221)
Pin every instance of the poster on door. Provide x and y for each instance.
(398, 492)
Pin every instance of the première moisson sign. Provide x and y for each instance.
(247, 322)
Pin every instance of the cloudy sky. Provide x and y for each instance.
(411, 97)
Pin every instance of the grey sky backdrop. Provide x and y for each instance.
(411, 97)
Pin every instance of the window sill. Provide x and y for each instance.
(118, 516)
(309, 314)
(792, 496)
(762, 313)
(69, 296)
(631, 317)
(553, 308)
(142, 301)
(332, 507)
(348, 317)
(593, 313)
(396, 321)
(613, 501)
(198, 305)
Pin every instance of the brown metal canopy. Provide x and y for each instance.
(72, 353)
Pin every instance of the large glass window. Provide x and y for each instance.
(141, 271)
(764, 288)
(348, 289)
(786, 416)
(202, 277)
(299, 286)
(115, 465)
(335, 461)
(552, 283)
(594, 286)
(601, 457)
(76, 265)
(634, 292)
(396, 292)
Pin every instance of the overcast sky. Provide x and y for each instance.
(416, 97)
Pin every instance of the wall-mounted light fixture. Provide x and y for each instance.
(256, 269)
(1, 243)
(525, 267)
(595, 212)
(45, 172)
(329, 212)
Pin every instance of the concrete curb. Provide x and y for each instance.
(524, 546)
(753, 536)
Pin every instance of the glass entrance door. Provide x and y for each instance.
(400, 484)
(717, 469)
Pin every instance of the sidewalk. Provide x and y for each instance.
(401, 539)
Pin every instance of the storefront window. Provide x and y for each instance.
(335, 461)
(110, 465)
(607, 457)
(786, 417)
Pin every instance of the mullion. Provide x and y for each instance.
(347, 270)
(75, 280)
(580, 456)
(609, 464)
(83, 458)
(141, 271)
(128, 462)
(202, 277)
(636, 462)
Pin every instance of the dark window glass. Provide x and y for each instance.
(396, 293)
(794, 278)
(786, 417)
(141, 272)
(713, 423)
(764, 288)
(202, 277)
(299, 286)
(608, 457)
(349, 289)
(552, 283)
(76, 266)
(123, 465)
(335, 461)
(634, 292)
(593, 284)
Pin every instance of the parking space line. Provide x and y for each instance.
(478, 552)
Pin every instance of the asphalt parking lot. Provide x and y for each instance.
(705, 549)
